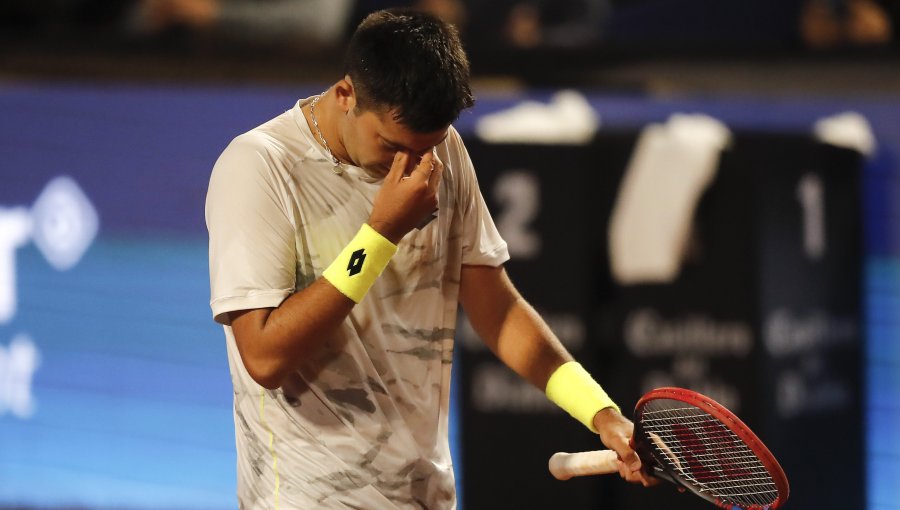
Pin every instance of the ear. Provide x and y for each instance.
(345, 94)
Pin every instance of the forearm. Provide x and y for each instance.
(526, 344)
(522, 340)
(509, 326)
(538, 355)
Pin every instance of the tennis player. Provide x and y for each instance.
(343, 233)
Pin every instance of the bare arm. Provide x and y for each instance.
(514, 331)
(274, 341)
(509, 326)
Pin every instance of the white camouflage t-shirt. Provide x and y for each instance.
(364, 423)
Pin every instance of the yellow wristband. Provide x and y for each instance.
(576, 392)
(360, 263)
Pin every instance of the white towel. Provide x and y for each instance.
(849, 130)
(568, 119)
(673, 163)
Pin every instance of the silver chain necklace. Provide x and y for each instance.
(338, 166)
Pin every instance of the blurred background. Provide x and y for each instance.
(695, 193)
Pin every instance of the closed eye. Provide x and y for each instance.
(391, 146)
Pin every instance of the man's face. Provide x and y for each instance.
(373, 137)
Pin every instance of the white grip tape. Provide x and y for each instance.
(599, 462)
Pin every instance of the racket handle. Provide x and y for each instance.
(599, 462)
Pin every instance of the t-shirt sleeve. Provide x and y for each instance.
(252, 258)
(481, 242)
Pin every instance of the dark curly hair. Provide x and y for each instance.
(410, 62)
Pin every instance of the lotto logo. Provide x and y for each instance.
(357, 259)
(18, 363)
(62, 223)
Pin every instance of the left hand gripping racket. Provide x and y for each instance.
(691, 440)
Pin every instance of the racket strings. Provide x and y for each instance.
(707, 454)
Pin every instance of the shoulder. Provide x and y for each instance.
(251, 142)
(265, 151)
(263, 140)
(251, 164)
(457, 163)
(453, 153)
(245, 155)
(454, 142)
(276, 142)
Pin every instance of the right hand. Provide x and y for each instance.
(405, 200)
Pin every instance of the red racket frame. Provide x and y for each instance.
(733, 423)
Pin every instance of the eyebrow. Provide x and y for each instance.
(395, 145)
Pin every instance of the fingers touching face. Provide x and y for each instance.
(379, 137)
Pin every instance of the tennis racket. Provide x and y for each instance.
(691, 440)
